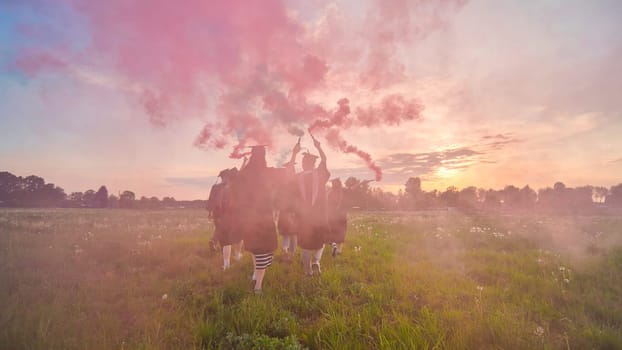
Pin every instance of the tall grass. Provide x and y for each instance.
(102, 279)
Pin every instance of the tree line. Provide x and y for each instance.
(557, 199)
(33, 191)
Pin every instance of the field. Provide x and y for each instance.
(122, 279)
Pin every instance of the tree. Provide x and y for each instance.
(33, 183)
(113, 201)
(51, 195)
(352, 194)
(413, 186)
(9, 185)
(169, 202)
(126, 199)
(76, 197)
(101, 198)
(30, 191)
(467, 198)
(614, 198)
(581, 198)
(450, 196)
(528, 197)
(492, 199)
(511, 196)
(413, 194)
(154, 202)
(88, 199)
(600, 194)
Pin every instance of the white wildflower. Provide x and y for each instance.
(165, 296)
(77, 250)
(539, 331)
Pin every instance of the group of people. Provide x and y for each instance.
(250, 207)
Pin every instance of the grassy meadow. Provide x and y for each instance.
(123, 279)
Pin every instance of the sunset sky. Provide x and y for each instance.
(153, 96)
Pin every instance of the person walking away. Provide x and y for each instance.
(312, 209)
(221, 210)
(255, 188)
(288, 221)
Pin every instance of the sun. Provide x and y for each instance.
(445, 173)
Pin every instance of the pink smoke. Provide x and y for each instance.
(334, 139)
(338, 119)
(255, 65)
(393, 110)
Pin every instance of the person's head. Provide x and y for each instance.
(258, 157)
(227, 175)
(336, 184)
(308, 161)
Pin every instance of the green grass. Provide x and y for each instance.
(97, 279)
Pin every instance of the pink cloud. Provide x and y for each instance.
(254, 64)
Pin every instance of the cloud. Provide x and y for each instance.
(204, 182)
(415, 164)
(498, 141)
(431, 166)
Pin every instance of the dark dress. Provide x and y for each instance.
(287, 197)
(220, 203)
(254, 199)
(312, 207)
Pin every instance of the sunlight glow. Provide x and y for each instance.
(446, 173)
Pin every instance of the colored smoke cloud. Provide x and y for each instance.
(253, 69)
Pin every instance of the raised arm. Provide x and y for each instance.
(290, 165)
(317, 145)
(244, 163)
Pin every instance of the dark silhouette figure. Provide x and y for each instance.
(255, 188)
(288, 221)
(222, 210)
(311, 182)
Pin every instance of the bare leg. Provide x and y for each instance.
(259, 275)
(254, 277)
(226, 256)
(305, 256)
(317, 255)
(293, 243)
(237, 251)
(286, 244)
